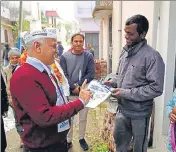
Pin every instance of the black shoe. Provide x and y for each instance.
(150, 143)
(83, 144)
(69, 145)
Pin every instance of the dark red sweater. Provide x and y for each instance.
(34, 99)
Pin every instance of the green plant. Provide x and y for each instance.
(25, 27)
(101, 148)
(43, 18)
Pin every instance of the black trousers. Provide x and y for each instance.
(59, 147)
(3, 137)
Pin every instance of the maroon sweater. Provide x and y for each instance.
(34, 99)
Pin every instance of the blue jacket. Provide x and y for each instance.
(169, 108)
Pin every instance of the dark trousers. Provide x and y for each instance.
(126, 128)
(3, 137)
(19, 128)
(59, 147)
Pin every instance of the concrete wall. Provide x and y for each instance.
(9, 32)
(161, 35)
(84, 9)
(166, 45)
(89, 24)
(105, 39)
(129, 8)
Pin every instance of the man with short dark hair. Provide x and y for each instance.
(60, 48)
(78, 65)
(140, 79)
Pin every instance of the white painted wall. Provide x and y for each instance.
(130, 8)
(89, 25)
(9, 32)
(167, 47)
(84, 9)
(105, 39)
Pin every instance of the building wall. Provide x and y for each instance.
(105, 39)
(129, 8)
(101, 40)
(166, 44)
(89, 24)
(84, 9)
(35, 23)
(9, 32)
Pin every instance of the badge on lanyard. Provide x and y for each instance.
(61, 99)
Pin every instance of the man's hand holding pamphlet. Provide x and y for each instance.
(100, 93)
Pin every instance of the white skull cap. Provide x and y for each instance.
(45, 33)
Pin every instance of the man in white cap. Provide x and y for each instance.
(38, 99)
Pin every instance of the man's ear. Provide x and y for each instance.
(143, 35)
(37, 46)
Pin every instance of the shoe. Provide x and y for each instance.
(69, 145)
(83, 144)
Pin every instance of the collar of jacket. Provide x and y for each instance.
(133, 50)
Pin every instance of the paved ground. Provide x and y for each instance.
(94, 126)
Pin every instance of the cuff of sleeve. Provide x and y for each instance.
(123, 93)
(82, 102)
(72, 86)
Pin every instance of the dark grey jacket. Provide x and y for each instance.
(140, 75)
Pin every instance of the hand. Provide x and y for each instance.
(85, 94)
(115, 92)
(107, 82)
(76, 90)
(172, 117)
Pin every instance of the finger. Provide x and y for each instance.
(174, 116)
(86, 89)
(106, 82)
(113, 90)
(84, 84)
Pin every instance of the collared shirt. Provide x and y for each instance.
(39, 66)
(34, 100)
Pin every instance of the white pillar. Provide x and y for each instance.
(116, 33)
(167, 48)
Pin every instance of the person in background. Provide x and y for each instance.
(91, 50)
(4, 109)
(38, 99)
(171, 113)
(78, 65)
(60, 48)
(13, 56)
(5, 54)
(139, 79)
(22, 49)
